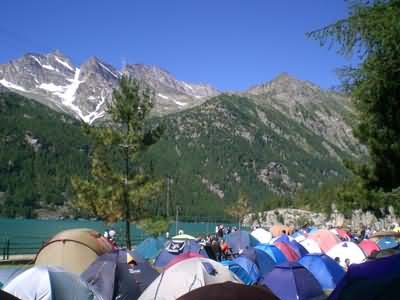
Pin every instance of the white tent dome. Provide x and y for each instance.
(262, 235)
(47, 283)
(311, 246)
(185, 276)
(346, 250)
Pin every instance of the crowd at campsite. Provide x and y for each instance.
(275, 263)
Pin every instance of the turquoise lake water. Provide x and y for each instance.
(27, 235)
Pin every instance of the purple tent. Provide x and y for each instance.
(290, 281)
(374, 280)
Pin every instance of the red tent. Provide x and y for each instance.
(368, 247)
(325, 239)
(288, 251)
(342, 234)
(181, 257)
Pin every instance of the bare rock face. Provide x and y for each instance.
(171, 94)
(298, 217)
(309, 105)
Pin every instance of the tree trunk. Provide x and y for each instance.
(126, 200)
(128, 234)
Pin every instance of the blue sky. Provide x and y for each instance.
(231, 44)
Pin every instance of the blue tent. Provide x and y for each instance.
(273, 252)
(150, 247)
(174, 248)
(299, 248)
(240, 240)
(250, 267)
(311, 229)
(387, 242)
(283, 238)
(263, 261)
(299, 233)
(327, 271)
(290, 281)
(377, 279)
(238, 271)
(111, 277)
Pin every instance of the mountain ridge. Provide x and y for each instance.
(83, 91)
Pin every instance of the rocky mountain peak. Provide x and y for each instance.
(95, 66)
(54, 80)
(287, 86)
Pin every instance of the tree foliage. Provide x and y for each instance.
(118, 187)
(241, 208)
(154, 226)
(372, 31)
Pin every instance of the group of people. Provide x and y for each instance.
(111, 235)
(217, 244)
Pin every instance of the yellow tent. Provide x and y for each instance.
(74, 249)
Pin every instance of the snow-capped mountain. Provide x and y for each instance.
(84, 90)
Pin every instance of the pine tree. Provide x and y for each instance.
(240, 209)
(372, 31)
(118, 187)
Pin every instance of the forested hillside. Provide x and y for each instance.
(39, 151)
(252, 143)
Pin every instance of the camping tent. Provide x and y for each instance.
(6, 296)
(273, 252)
(74, 249)
(119, 275)
(241, 273)
(263, 261)
(150, 247)
(48, 283)
(290, 281)
(325, 239)
(262, 235)
(299, 235)
(384, 253)
(229, 291)
(181, 257)
(311, 246)
(299, 248)
(387, 242)
(341, 233)
(250, 267)
(175, 248)
(7, 274)
(377, 279)
(325, 269)
(288, 251)
(186, 276)
(183, 237)
(240, 240)
(368, 247)
(347, 250)
(277, 230)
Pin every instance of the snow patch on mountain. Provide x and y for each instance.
(163, 96)
(63, 63)
(108, 69)
(11, 85)
(180, 103)
(37, 59)
(49, 67)
(52, 88)
(187, 85)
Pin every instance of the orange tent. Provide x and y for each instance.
(277, 229)
(325, 239)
